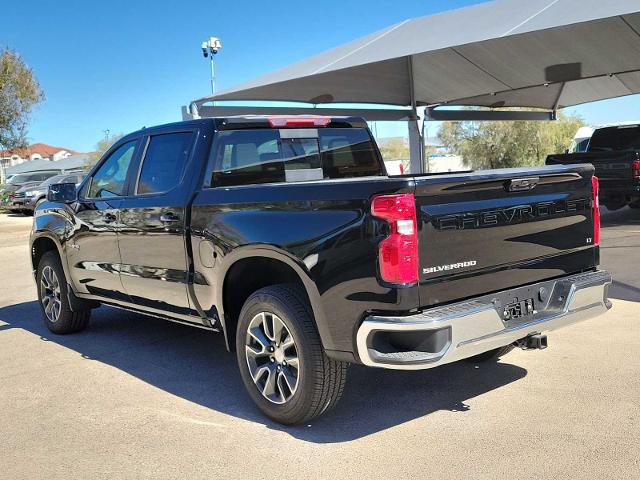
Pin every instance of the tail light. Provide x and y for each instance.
(292, 122)
(636, 170)
(398, 253)
(595, 209)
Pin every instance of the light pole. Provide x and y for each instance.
(210, 48)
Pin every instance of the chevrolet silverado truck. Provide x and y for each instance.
(614, 151)
(286, 235)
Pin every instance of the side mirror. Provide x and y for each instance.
(62, 193)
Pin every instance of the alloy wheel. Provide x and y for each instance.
(50, 294)
(272, 357)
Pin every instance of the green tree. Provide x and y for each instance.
(19, 93)
(394, 148)
(101, 147)
(397, 148)
(505, 144)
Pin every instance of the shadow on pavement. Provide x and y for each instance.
(194, 365)
(624, 291)
(616, 218)
(619, 248)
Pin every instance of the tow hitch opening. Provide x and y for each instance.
(533, 342)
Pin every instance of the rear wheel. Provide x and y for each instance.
(492, 355)
(281, 359)
(54, 302)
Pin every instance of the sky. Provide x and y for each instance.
(121, 65)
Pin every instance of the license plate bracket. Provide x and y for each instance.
(519, 309)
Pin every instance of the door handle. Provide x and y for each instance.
(109, 217)
(169, 218)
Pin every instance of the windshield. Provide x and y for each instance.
(20, 178)
(615, 138)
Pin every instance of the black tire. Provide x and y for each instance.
(66, 320)
(320, 379)
(492, 355)
(635, 205)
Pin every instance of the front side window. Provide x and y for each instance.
(111, 178)
(164, 162)
(246, 157)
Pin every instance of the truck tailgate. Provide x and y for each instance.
(614, 169)
(482, 232)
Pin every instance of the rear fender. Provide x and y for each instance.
(299, 267)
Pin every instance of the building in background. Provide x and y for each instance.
(73, 163)
(35, 152)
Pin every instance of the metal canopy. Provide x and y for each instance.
(509, 53)
(546, 54)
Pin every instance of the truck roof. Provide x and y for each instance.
(267, 121)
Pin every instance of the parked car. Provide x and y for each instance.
(27, 197)
(15, 199)
(20, 179)
(16, 181)
(287, 235)
(614, 151)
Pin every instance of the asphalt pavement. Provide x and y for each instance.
(137, 397)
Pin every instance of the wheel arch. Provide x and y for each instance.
(274, 268)
(43, 242)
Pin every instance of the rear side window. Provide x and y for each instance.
(246, 157)
(348, 152)
(164, 161)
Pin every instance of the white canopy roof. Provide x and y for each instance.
(535, 53)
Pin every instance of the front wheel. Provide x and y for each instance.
(54, 302)
(281, 359)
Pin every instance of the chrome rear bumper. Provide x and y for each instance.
(475, 326)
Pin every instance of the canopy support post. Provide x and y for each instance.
(415, 150)
(416, 142)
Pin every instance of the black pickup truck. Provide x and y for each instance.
(614, 151)
(287, 235)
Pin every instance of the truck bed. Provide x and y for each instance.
(482, 232)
